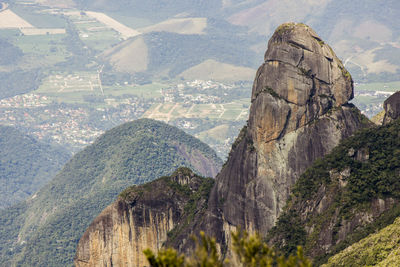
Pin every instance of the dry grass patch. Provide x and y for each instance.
(9, 19)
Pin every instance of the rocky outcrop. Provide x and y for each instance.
(392, 108)
(350, 193)
(299, 113)
(142, 217)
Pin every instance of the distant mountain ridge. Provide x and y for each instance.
(365, 39)
(44, 230)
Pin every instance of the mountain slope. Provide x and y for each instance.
(366, 39)
(132, 153)
(299, 113)
(378, 249)
(170, 54)
(142, 217)
(350, 193)
(26, 164)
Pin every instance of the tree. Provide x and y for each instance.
(250, 251)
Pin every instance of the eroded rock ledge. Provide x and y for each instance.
(142, 217)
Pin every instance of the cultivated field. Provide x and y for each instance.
(179, 25)
(125, 31)
(168, 111)
(9, 20)
(217, 71)
(36, 31)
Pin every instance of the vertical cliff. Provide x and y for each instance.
(142, 217)
(352, 192)
(392, 108)
(299, 113)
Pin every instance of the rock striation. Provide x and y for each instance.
(299, 113)
(349, 194)
(142, 217)
(392, 108)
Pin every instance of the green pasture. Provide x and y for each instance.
(34, 16)
(9, 34)
(49, 47)
(152, 90)
(389, 86)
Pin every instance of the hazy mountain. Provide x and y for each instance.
(26, 164)
(364, 33)
(45, 229)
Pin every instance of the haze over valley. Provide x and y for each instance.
(268, 129)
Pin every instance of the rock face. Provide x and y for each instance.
(299, 112)
(141, 218)
(350, 193)
(392, 108)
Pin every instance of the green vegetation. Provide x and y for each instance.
(249, 250)
(270, 91)
(35, 16)
(379, 249)
(26, 165)
(381, 86)
(372, 160)
(197, 203)
(9, 54)
(132, 153)
(283, 29)
(174, 52)
(345, 73)
(19, 82)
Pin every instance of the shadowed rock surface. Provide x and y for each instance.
(349, 194)
(392, 108)
(141, 218)
(299, 113)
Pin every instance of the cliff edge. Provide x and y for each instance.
(299, 113)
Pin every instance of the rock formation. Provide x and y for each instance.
(299, 112)
(392, 108)
(141, 218)
(350, 193)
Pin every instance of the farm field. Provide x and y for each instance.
(234, 111)
(50, 49)
(9, 20)
(389, 86)
(125, 31)
(147, 91)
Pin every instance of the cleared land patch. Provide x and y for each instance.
(125, 31)
(169, 111)
(217, 71)
(179, 25)
(9, 20)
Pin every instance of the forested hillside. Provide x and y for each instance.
(45, 230)
(26, 164)
(347, 195)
